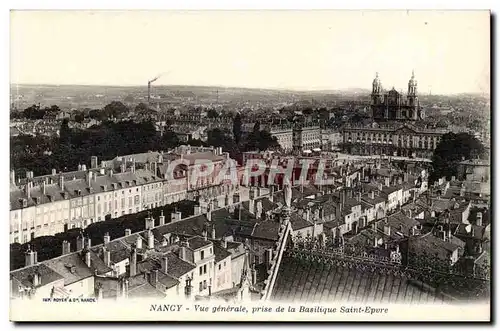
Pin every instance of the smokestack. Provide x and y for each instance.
(133, 262)
(149, 93)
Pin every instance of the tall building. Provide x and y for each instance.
(392, 105)
(395, 128)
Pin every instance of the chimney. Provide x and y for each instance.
(149, 223)
(133, 262)
(99, 293)
(27, 189)
(251, 206)
(88, 243)
(93, 162)
(107, 238)
(138, 242)
(197, 210)
(61, 182)
(106, 256)
(387, 181)
(442, 235)
(182, 253)
(209, 215)
(162, 219)
(258, 212)
(80, 242)
(176, 216)
(164, 264)
(87, 258)
(151, 240)
(110, 172)
(36, 279)
(213, 232)
(84, 167)
(66, 247)
(13, 177)
(153, 277)
(224, 242)
(54, 172)
(479, 219)
(128, 232)
(31, 257)
(359, 197)
(271, 193)
(88, 176)
(387, 230)
(375, 242)
(372, 195)
(44, 189)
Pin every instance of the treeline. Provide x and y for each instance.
(41, 154)
(49, 247)
(73, 147)
(451, 150)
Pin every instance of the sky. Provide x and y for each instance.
(303, 50)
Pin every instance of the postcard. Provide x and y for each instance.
(250, 165)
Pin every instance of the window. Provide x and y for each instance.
(201, 286)
(224, 263)
(205, 284)
(205, 269)
(201, 271)
(202, 254)
(219, 266)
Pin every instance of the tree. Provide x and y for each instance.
(212, 113)
(116, 109)
(79, 117)
(64, 133)
(237, 128)
(451, 150)
(34, 112)
(141, 107)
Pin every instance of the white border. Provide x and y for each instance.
(191, 4)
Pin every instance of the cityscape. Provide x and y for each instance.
(377, 193)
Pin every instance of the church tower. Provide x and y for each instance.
(376, 91)
(413, 97)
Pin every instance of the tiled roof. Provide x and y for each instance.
(25, 275)
(307, 282)
(71, 266)
(198, 242)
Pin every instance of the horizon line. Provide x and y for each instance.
(296, 90)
